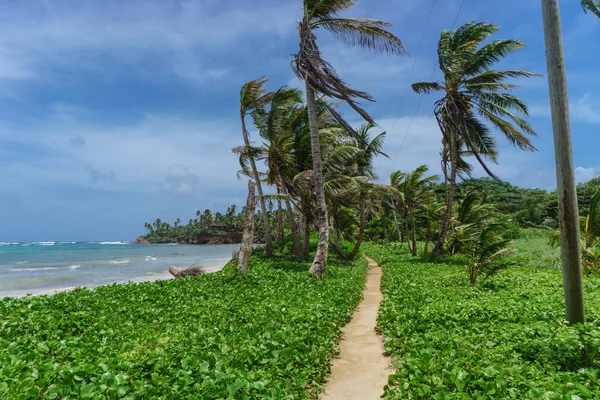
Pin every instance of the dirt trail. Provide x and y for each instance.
(361, 370)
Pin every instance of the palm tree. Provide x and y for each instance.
(320, 77)
(591, 5)
(395, 199)
(474, 94)
(275, 128)
(369, 149)
(252, 97)
(415, 191)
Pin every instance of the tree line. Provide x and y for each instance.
(322, 167)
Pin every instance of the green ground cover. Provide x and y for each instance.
(505, 339)
(269, 335)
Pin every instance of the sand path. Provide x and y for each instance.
(361, 370)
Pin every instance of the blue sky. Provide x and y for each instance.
(115, 113)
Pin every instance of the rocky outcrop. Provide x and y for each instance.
(141, 240)
(213, 238)
(204, 238)
(181, 273)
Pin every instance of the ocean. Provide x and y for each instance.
(49, 267)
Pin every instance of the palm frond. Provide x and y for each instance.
(590, 5)
(513, 135)
(365, 33)
(426, 87)
(490, 54)
(492, 80)
(253, 95)
(318, 9)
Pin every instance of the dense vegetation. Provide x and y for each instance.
(268, 335)
(502, 340)
(204, 222)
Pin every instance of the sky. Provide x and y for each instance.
(116, 113)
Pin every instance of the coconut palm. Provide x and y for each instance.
(485, 249)
(369, 149)
(472, 212)
(415, 191)
(275, 128)
(252, 97)
(320, 77)
(396, 199)
(474, 96)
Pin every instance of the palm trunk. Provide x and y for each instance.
(407, 234)
(248, 238)
(361, 227)
(427, 239)
(320, 262)
(263, 207)
(292, 222)
(279, 217)
(414, 233)
(336, 231)
(306, 246)
(385, 231)
(450, 187)
(398, 231)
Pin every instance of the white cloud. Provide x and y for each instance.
(421, 144)
(180, 181)
(99, 176)
(182, 36)
(583, 109)
(127, 158)
(584, 174)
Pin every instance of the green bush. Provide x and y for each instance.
(506, 339)
(268, 335)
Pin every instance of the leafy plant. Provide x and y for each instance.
(505, 339)
(485, 249)
(267, 335)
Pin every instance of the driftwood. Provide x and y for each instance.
(180, 273)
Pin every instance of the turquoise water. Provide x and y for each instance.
(46, 267)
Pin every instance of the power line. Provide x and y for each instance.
(412, 69)
(423, 95)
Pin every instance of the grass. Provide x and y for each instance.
(534, 251)
(505, 339)
(267, 335)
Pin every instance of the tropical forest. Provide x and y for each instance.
(349, 284)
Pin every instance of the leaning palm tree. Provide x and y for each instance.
(274, 126)
(475, 95)
(320, 77)
(252, 97)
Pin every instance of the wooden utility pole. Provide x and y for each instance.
(565, 176)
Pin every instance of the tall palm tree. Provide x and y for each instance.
(475, 94)
(252, 97)
(320, 77)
